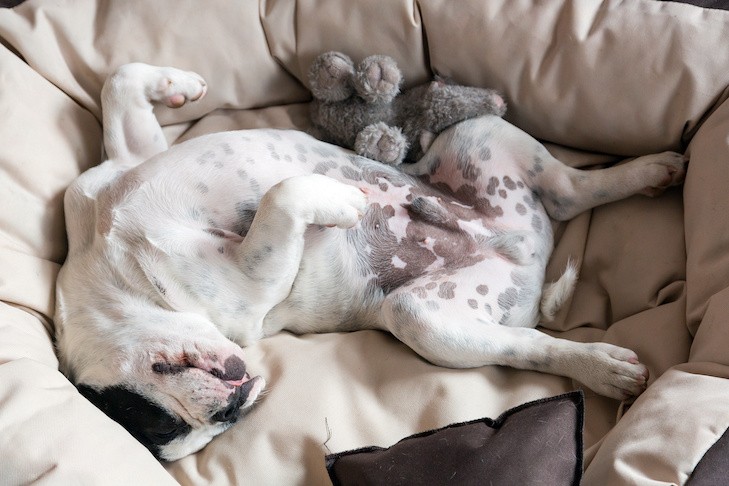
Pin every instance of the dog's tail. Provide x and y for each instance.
(557, 293)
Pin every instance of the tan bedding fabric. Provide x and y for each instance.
(612, 77)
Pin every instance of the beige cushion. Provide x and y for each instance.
(600, 77)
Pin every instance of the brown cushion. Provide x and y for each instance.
(539, 442)
(713, 469)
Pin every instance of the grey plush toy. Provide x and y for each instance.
(363, 109)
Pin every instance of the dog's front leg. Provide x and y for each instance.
(270, 254)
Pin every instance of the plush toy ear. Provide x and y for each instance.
(330, 77)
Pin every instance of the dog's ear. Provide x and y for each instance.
(149, 423)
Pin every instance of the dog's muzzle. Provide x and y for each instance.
(240, 398)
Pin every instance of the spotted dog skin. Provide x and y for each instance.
(180, 256)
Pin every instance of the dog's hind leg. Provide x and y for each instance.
(565, 191)
(132, 133)
(450, 322)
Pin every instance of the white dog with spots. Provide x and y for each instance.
(179, 256)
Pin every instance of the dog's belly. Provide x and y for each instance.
(411, 228)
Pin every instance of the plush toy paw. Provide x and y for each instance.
(382, 142)
(378, 79)
(330, 77)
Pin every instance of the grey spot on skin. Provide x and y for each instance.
(242, 174)
(323, 167)
(221, 250)
(272, 150)
(351, 174)
(473, 303)
(493, 184)
(431, 285)
(520, 209)
(509, 183)
(446, 290)
(482, 289)
(484, 153)
(227, 149)
(537, 223)
(503, 193)
(538, 167)
(531, 200)
(205, 157)
(471, 172)
(202, 188)
(487, 308)
(420, 292)
(507, 299)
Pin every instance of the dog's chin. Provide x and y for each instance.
(190, 443)
(197, 438)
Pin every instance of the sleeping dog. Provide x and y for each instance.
(179, 256)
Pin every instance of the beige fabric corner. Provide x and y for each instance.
(596, 80)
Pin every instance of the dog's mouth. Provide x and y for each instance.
(241, 399)
(245, 389)
(233, 370)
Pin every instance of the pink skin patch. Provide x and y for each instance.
(233, 370)
(176, 100)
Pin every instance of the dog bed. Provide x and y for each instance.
(597, 81)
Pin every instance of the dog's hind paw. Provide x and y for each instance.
(614, 371)
(175, 87)
(663, 171)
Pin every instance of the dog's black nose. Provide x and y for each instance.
(235, 369)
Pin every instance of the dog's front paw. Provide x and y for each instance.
(614, 372)
(323, 201)
(662, 171)
(381, 142)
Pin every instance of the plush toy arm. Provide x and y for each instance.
(447, 104)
